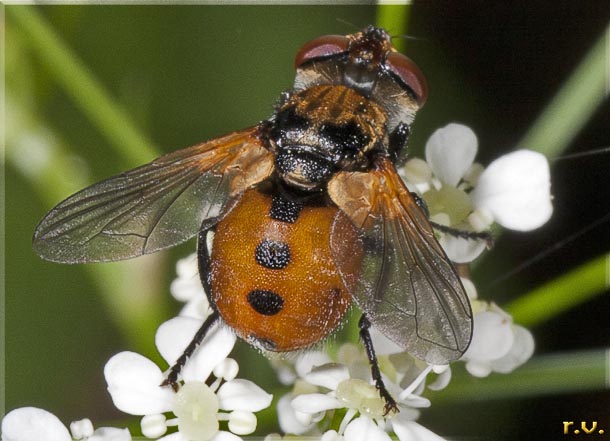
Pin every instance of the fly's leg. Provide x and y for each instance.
(469, 235)
(174, 371)
(203, 257)
(204, 269)
(421, 203)
(365, 336)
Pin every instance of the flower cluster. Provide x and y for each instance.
(330, 397)
(323, 388)
(513, 191)
(33, 424)
(498, 345)
(210, 394)
(201, 404)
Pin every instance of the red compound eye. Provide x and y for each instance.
(408, 72)
(324, 46)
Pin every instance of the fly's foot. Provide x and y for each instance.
(171, 380)
(390, 404)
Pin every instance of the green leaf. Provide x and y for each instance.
(83, 87)
(562, 293)
(543, 375)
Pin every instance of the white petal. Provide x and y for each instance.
(331, 435)
(110, 434)
(416, 402)
(226, 436)
(198, 307)
(196, 407)
(187, 267)
(521, 351)
(81, 429)
(440, 368)
(471, 290)
(214, 348)
(479, 369)
(314, 403)
(417, 171)
(382, 344)
(492, 337)
(352, 353)
(328, 375)
(134, 384)
(516, 189)
(174, 437)
(285, 372)
(480, 219)
(226, 369)
(185, 289)
(450, 151)
(364, 429)
(243, 395)
(411, 431)
(441, 381)
(460, 250)
(241, 422)
(287, 417)
(153, 426)
(33, 424)
(473, 174)
(174, 335)
(417, 383)
(308, 360)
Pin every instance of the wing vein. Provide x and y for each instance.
(157, 218)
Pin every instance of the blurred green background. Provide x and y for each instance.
(171, 76)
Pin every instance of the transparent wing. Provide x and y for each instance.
(407, 286)
(154, 206)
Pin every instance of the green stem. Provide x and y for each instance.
(131, 291)
(395, 20)
(563, 293)
(572, 107)
(542, 375)
(84, 89)
(559, 123)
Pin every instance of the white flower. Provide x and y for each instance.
(110, 434)
(295, 422)
(364, 418)
(450, 152)
(81, 429)
(134, 384)
(294, 372)
(513, 191)
(404, 369)
(187, 288)
(497, 344)
(33, 424)
(289, 367)
(322, 386)
(516, 190)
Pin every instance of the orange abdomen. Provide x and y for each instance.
(272, 276)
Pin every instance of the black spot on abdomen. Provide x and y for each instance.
(284, 209)
(272, 254)
(265, 302)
